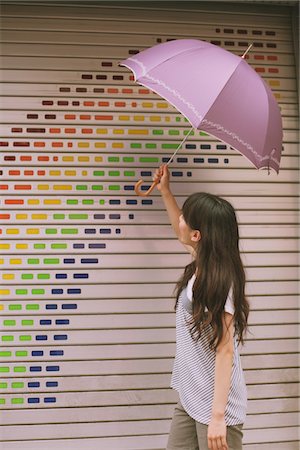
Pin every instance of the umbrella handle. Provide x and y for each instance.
(144, 194)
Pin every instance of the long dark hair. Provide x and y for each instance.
(217, 265)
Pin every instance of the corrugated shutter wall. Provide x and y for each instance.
(88, 269)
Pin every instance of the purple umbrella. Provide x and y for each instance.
(218, 92)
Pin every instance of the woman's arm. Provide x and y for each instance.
(223, 369)
(173, 210)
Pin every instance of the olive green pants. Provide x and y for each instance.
(187, 434)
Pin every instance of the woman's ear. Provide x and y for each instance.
(196, 236)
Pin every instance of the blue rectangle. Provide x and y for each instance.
(56, 352)
(51, 383)
(33, 384)
(41, 337)
(35, 368)
(60, 337)
(37, 353)
(69, 306)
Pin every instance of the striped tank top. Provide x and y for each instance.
(194, 368)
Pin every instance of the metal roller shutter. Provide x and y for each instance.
(87, 268)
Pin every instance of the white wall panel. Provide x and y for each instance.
(87, 268)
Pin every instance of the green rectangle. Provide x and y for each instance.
(5, 354)
(128, 159)
(134, 145)
(113, 159)
(169, 146)
(7, 338)
(17, 385)
(9, 323)
(72, 202)
(51, 261)
(173, 132)
(22, 353)
(39, 246)
(2, 401)
(32, 306)
(4, 369)
(81, 187)
(58, 246)
(21, 291)
(25, 337)
(129, 173)
(27, 322)
(59, 216)
(43, 276)
(97, 187)
(114, 173)
(149, 159)
(151, 146)
(87, 202)
(3, 385)
(69, 231)
(19, 369)
(33, 261)
(27, 276)
(17, 401)
(51, 231)
(156, 132)
(78, 216)
(38, 291)
(98, 173)
(15, 307)
(114, 187)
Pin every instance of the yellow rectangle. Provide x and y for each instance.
(39, 216)
(68, 158)
(12, 231)
(22, 246)
(147, 105)
(146, 132)
(33, 202)
(124, 117)
(21, 216)
(162, 105)
(100, 145)
(118, 131)
(70, 173)
(83, 144)
(55, 173)
(52, 202)
(8, 276)
(117, 145)
(274, 83)
(101, 131)
(4, 291)
(83, 158)
(32, 231)
(62, 187)
(155, 118)
(98, 159)
(4, 246)
(43, 187)
(15, 261)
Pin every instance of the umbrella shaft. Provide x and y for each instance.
(179, 146)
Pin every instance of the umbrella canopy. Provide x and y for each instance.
(218, 92)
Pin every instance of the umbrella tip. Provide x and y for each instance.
(243, 57)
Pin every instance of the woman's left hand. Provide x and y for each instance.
(216, 435)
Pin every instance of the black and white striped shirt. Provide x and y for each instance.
(194, 368)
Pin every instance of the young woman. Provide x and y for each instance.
(211, 318)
